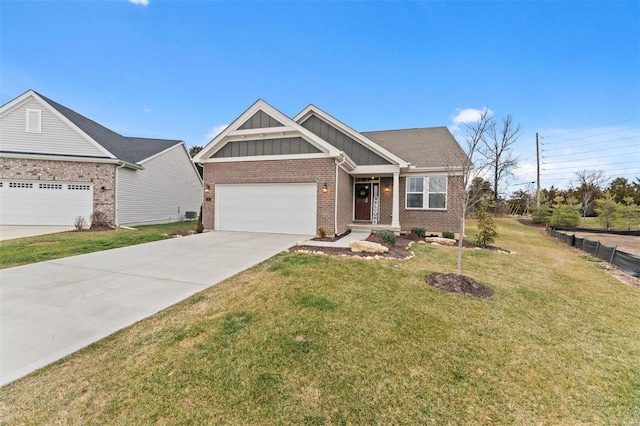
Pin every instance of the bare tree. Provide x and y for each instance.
(466, 194)
(497, 149)
(587, 186)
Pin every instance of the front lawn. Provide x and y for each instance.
(303, 339)
(54, 246)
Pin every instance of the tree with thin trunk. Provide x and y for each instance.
(587, 187)
(497, 149)
(466, 194)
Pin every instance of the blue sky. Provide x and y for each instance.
(183, 69)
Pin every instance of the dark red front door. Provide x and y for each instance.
(363, 201)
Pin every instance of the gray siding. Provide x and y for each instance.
(357, 152)
(279, 146)
(56, 136)
(162, 192)
(260, 120)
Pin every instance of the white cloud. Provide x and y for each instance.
(468, 115)
(141, 2)
(147, 110)
(216, 130)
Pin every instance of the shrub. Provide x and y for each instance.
(565, 212)
(448, 234)
(542, 214)
(199, 227)
(420, 232)
(487, 230)
(99, 220)
(79, 223)
(388, 237)
(322, 232)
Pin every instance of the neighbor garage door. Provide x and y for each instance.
(284, 208)
(44, 203)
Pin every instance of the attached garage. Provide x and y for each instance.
(25, 202)
(282, 208)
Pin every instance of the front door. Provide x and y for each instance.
(362, 210)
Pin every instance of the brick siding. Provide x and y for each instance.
(100, 174)
(318, 170)
(434, 220)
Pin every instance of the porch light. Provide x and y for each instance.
(325, 188)
(207, 189)
(387, 189)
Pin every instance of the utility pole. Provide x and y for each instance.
(538, 171)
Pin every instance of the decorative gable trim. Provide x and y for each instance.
(366, 142)
(30, 94)
(289, 129)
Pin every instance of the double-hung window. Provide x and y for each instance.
(426, 192)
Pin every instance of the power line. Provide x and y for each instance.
(591, 143)
(572, 154)
(610, 164)
(619, 171)
(584, 159)
(590, 128)
(593, 136)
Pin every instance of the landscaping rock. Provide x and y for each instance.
(441, 241)
(367, 247)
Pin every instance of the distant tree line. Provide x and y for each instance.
(587, 196)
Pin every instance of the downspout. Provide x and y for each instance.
(115, 196)
(335, 203)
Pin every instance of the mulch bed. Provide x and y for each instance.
(94, 229)
(399, 251)
(460, 284)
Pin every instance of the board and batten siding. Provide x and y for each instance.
(168, 187)
(56, 136)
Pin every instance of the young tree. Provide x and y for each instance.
(607, 210)
(565, 212)
(630, 211)
(587, 187)
(497, 149)
(487, 230)
(469, 171)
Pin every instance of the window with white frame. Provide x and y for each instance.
(426, 192)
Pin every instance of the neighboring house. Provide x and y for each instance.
(267, 172)
(56, 165)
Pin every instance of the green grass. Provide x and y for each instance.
(315, 340)
(619, 223)
(54, 246)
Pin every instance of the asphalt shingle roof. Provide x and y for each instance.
(424, 147)
(131, 150)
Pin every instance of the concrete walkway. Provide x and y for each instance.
(51, 309)
(355, 235)
(12, 232)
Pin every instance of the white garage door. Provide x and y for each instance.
(283, 208)
(44, 203)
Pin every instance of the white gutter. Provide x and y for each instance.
(335, 204)
(115, 195)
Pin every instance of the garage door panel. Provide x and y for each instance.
(278, 208)
(44, 203)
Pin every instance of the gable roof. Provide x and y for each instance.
(429, 147)
(237, 131)
(127, 149)
(360, 138)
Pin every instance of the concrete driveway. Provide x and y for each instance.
(13, 232)
(51, 309)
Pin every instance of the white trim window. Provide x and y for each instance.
(426, 193)
(34, 120)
